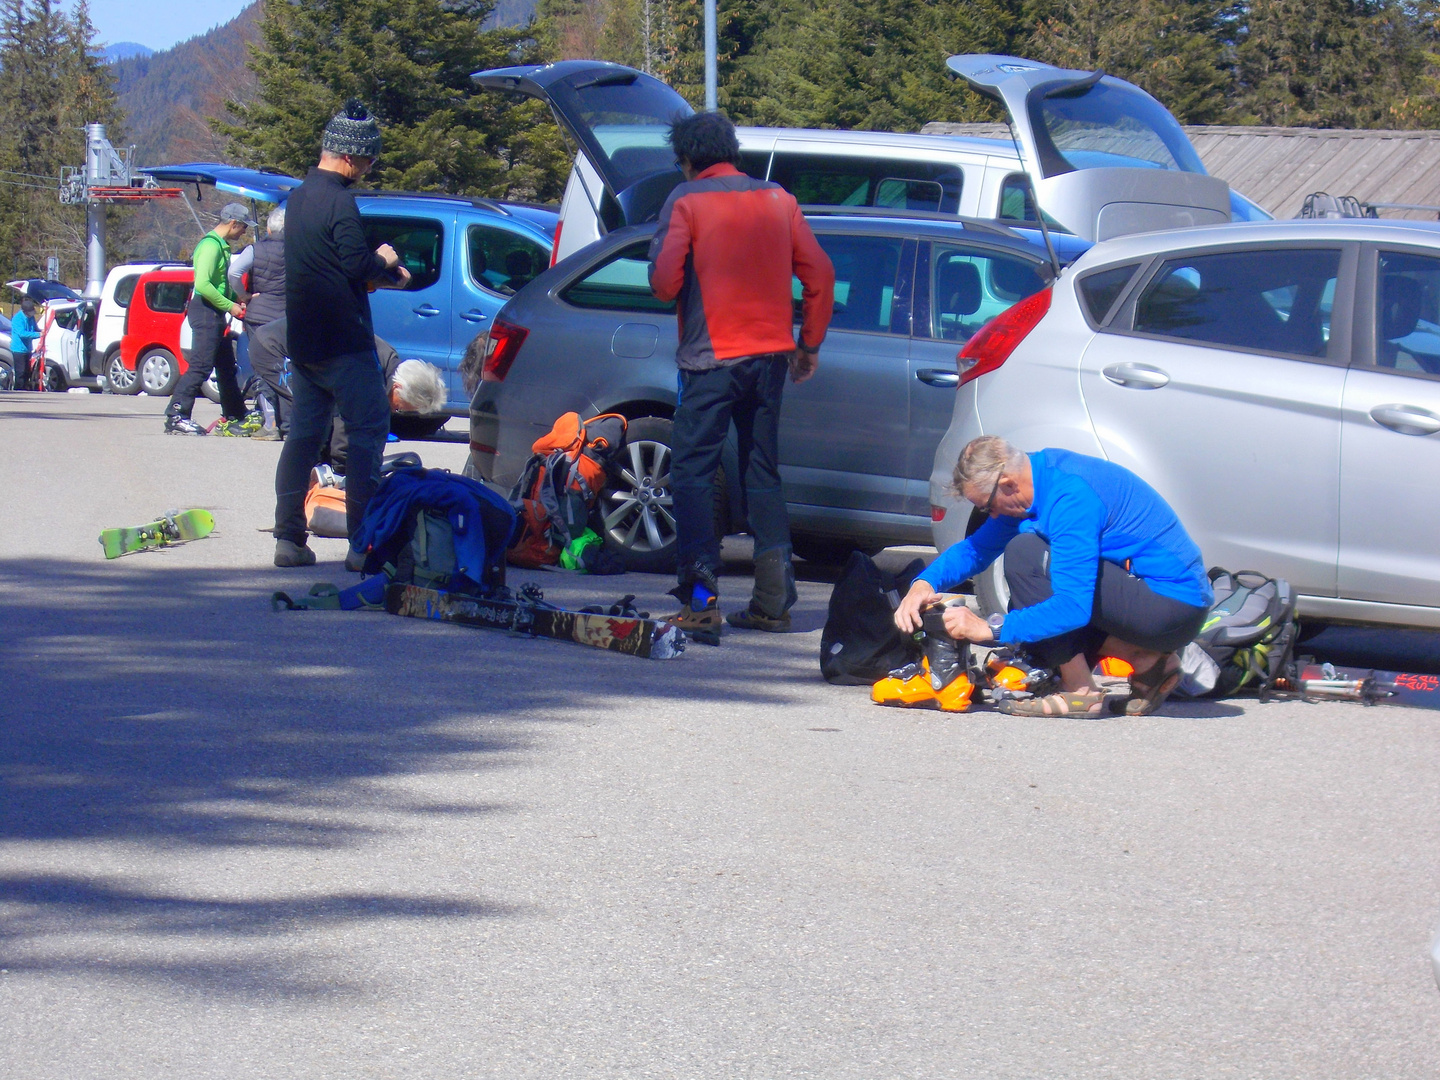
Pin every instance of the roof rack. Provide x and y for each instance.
(975, 224)
(477, 201)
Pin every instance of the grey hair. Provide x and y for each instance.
(421, 385)
(982, 461)
(275, 223)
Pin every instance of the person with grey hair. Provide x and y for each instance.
(1098, 565)
(264, 294)
(210, 348)
(333, 364)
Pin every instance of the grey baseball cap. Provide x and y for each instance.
(236, 212)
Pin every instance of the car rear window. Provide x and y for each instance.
(167, 296)
(867, 274)
(419, 242)
(831, 180)
(1101, 289)
(503, 261)
(1407, 324)
(125, 289)
(620, 283)
(970, 286)
(1267, 300)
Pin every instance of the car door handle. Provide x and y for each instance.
(426, 310)
(474, 315)
(931, 376)
(1406, 419)
(1136, 376)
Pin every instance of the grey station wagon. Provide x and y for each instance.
(856, 441)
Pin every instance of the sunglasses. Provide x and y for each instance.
(994, 490)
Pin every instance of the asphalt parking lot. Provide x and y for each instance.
(236, 843)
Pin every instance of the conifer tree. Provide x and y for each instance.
(410, 61)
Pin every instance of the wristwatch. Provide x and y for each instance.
(995, 622)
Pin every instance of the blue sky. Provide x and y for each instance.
(160, 23)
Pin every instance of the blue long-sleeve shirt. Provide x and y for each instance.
(1089, 510)
(23, 333)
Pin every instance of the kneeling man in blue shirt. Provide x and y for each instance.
(1097, 563)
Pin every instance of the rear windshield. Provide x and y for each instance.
(1103, 126)
(631, 122)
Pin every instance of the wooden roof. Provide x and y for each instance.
(1278, 166)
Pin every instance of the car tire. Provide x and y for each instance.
(158, 371)
(636, 504)
(415, 427)
(118, 378)
(55, 379)
(829, 550)
(992, 591)
(7, 377)
(211, 389)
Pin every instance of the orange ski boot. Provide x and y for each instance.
(938, 681)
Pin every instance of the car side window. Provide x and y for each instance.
(1407, 314)
(1273, 301)
(125, 289)
(419, 242)
(831, 180)
(1101, 289)
(1016, 203)
(502, 261)
(869, 283)
(969, 286)
(167, 296)
(755, 163)
(620, 283)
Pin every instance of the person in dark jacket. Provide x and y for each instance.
(210, 348)
(333, 364)
(264, 293)
(1097, 563)
(726, 249)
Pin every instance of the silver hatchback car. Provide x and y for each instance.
(1278, 384)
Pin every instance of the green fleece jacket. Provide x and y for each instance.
(212, 262)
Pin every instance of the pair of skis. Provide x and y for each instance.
(527, 614)
(1369, 686)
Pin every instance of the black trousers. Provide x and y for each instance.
(1124, 607)
(210, 350)
(748, 393)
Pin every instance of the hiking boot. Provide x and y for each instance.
(268, 434)
(182, 425)
(355, 561)
(774, 594)
(252, 421)
(939, 681)
(699, 615)
(232, 429)
(289, 553)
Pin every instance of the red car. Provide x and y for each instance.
(151, 345)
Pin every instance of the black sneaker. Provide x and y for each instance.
(182, 425)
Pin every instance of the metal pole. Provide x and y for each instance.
(710, 101)
(97, 174)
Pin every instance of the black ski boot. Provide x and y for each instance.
(774, 594)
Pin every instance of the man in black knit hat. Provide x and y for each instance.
(333, 361)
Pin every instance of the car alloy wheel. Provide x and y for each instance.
(158, 373)
(7, 377)
(638, 511)
(118, 378)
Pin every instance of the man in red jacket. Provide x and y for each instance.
(727, 248)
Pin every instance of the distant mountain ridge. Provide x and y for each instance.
(123, 50)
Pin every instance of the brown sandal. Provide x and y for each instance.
(1150, 688)
(1068, 703)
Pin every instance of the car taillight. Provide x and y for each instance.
(937, 513)
(555, 251)
(501, 349)
(996, 340)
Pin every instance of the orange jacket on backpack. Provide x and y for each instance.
(727, 247)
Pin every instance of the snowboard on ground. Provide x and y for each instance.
(175, 527)
(1369, 686)
(617, 633)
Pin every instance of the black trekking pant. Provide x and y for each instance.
(748, 393)
(20, 368)
(274, 372)
(1124, 607)
(355, 385)
(210, 350)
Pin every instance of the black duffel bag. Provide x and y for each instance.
(860, 644)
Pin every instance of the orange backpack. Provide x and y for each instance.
(561, 484)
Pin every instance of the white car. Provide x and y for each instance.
(1277, 383)
(110, 326)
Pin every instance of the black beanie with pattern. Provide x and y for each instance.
(352, 131)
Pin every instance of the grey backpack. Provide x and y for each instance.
(1249, 635)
